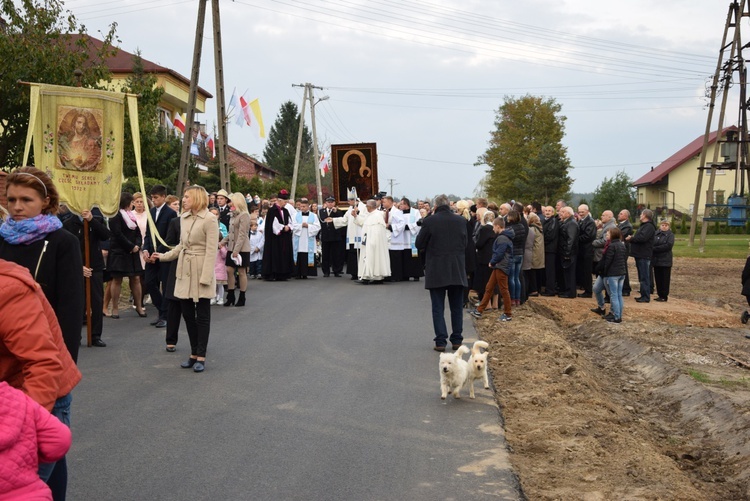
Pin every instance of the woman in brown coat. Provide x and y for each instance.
(195, 283)
(237, 242)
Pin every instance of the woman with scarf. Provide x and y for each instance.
(124, 258)
(33, 237)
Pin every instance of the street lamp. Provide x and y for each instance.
(315, 147)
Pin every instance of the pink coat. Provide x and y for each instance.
(28, 434)
(220, 268)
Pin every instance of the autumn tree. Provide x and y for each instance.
(526, 158)
(41, 43)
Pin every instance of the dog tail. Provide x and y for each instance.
(460, 352)
(479, 344)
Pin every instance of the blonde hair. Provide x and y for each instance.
(239, 202)
(463, 208)
(199, 197)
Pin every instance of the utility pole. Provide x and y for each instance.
(391, 183)
(192, 98)
(221, 140)
(735, 62)
(308, 95)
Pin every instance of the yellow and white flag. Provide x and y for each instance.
(78, 141)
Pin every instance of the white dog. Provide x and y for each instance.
(454, 372)
(478, 366)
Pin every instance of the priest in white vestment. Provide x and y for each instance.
(305, 227)
(353, 233)
(374, 262)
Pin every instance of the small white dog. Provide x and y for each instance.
(454, 372)
(478, 366)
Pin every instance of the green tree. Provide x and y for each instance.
(526, 158)
(42, 43)
(160, 148)
(281, 146)
(614, 194)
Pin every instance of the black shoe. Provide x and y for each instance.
(327, 275)
(609, 316)
(614, 320)
(230, 298)
(337, 275)
(189, 363)
(154, 322)
(549, 294)
(599, 311)
(161, 324)
(625, 294)
(642, 300)
(241, 299)
(98, 342)
(661, 299)
(745, 317)
(199, 366)
(567, 296)
(585, 294)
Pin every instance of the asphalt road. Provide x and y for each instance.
(316, 390)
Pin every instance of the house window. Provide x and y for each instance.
(718, 197)
(165, 117)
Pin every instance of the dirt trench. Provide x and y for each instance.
(651, 408)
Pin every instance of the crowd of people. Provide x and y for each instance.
(204, 249)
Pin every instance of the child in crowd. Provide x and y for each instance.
(220, 269)
(256, 249)
(29, 435)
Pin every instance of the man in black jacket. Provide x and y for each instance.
(567, 250)
(157, 272)
(331, 239)
(442, 241)
(623, 222)
(641, 248)
(586, 237)
(98, 233)
(551, 232)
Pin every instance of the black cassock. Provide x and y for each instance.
(278, 262)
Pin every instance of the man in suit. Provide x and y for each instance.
(442, 241)
(222, 202)
(331, 239)
(586, 237)
(567, 250)
(157, 272)
(626, 228)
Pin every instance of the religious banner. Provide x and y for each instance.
(354, 166)
(78, 141)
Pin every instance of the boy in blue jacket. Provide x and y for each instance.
(502, 255)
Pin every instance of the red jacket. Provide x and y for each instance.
(33, 356)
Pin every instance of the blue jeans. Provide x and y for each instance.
(599, 286)
(56, 474)
(615, 284)
(643, 266)
(456, 304)
(514, 277)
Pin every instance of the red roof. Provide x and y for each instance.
(122, 62)
(657, 174)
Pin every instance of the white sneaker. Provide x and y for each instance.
(220, 301)
(213, 301)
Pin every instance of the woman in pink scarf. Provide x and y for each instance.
(124, 255)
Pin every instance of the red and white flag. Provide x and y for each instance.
(179, 122)
(323, 164)
(245, 110)
(210, 145)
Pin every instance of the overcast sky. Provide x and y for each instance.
(423, 78)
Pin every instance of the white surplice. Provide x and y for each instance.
(374, 261)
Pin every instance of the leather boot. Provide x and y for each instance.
(230, 298)
(241, 299)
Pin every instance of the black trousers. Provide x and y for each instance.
(333, 257)
(569, 279)
(550, 272)
(585, 267)
(174, 312)
(352, 263)
(198, 322)
(156, 280)
(662, 276)
(97, 304)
